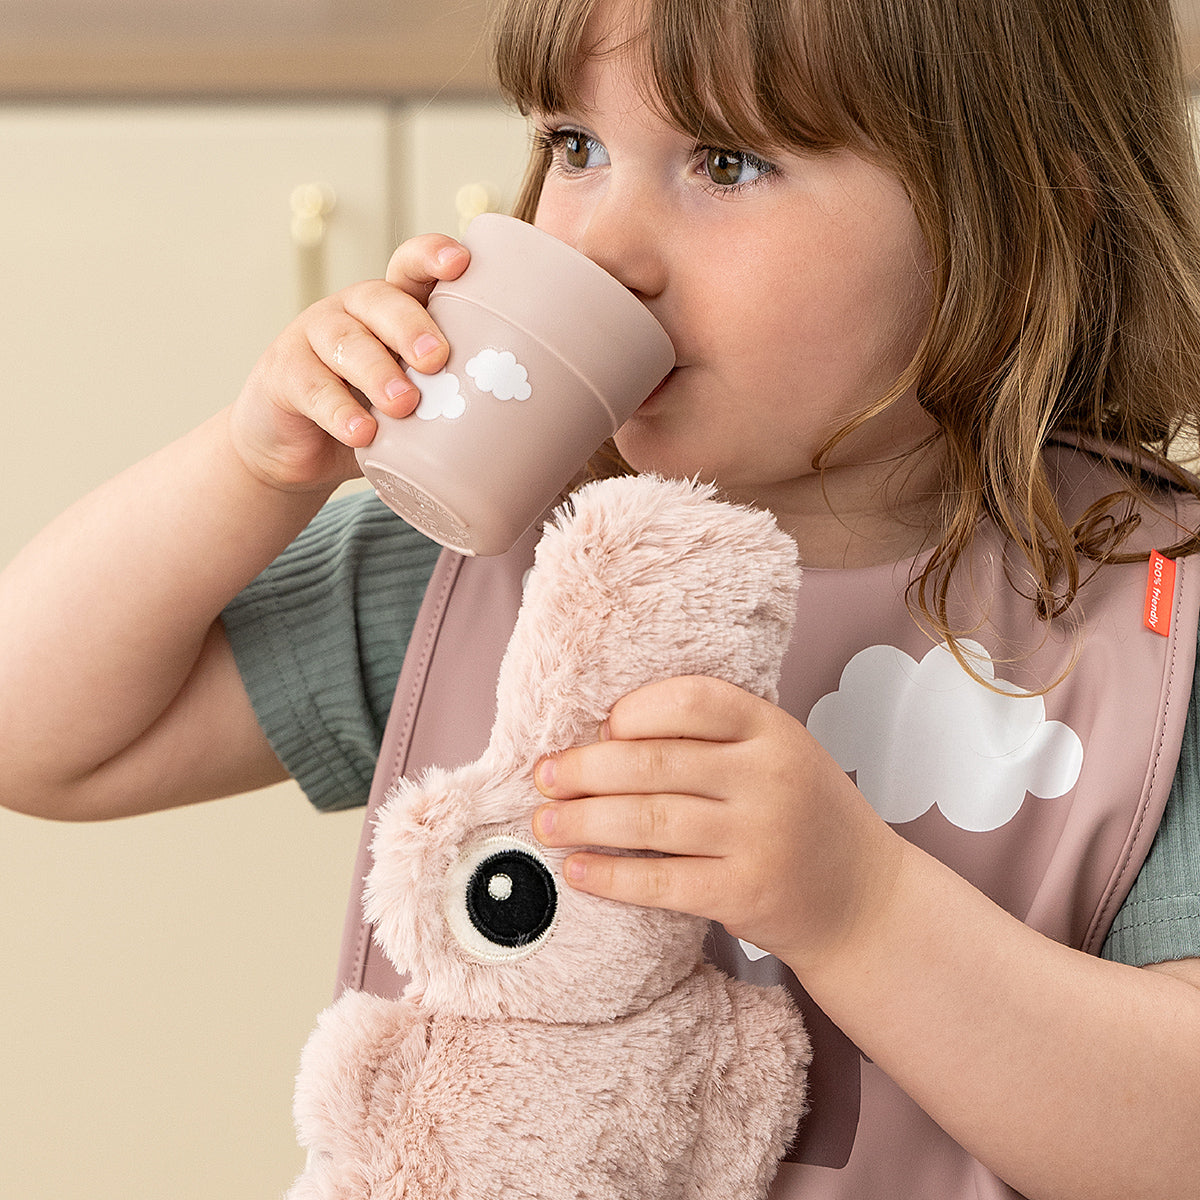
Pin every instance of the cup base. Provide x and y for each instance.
(420, 509)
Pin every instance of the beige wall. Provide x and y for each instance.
(158, 976)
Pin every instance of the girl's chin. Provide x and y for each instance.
(657, 455)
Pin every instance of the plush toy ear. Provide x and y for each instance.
(639, 579)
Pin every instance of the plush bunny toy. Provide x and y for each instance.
(550, 1044)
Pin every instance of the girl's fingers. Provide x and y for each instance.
(336, 360)
(399, 322)
(353, 356)
(691, 885)
(698, 707)
(359, 343)
(680, 735)
(420, 262)
(332, 378)
(364, 337)
(668, 824)
(331, 405)
(639, 767)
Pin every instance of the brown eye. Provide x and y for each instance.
(723, 167)
(575, 151)
(732, 168)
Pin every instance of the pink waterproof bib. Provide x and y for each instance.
(1048, 804)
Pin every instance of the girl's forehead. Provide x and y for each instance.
(612, 24)
(613, 34)
(613, 41)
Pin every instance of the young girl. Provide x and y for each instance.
(903, 249)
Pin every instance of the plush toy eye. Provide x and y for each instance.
(501, 899)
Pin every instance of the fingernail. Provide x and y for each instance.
(448, 254)
(573, 869)
(603, 733)
(544, 774)
(397, 387)
(425, 344)
(543, 823)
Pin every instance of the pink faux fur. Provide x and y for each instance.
(580, 1048)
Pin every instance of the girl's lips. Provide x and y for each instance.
(662, 384)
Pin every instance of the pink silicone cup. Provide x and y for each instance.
(549, 356)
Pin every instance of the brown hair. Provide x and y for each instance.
(1047, 152)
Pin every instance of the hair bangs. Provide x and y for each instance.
(748, 74)
(538, 50)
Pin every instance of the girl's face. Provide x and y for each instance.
(795, 291)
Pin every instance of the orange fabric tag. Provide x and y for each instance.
(1160, 594)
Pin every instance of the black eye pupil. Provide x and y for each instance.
(511, 898)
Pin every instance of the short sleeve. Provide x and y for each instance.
(1160, 920)
(319, 638)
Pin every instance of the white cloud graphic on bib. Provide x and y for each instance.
(919, 734)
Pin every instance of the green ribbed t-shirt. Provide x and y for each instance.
(320, 637)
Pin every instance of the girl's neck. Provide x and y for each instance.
(859, 517)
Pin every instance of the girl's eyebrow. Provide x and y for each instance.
(556, 116)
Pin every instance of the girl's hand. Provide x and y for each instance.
(762, 830)
(302, 411)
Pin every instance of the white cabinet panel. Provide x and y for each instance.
(146, 260)
(443, 149)
(160, 975)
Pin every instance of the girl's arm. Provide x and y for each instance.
(1068, 1076)
(118, 690)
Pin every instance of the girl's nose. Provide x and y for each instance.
(624, 237)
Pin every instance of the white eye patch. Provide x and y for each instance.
(501, 900)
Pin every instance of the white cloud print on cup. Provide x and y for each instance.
(498, 372)
(495, 372)
(919, 734)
